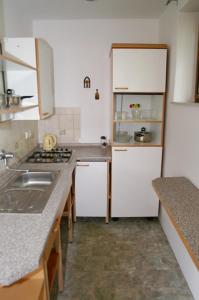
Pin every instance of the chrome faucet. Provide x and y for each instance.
(5, 156)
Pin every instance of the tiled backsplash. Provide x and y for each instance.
(13, 139)
(65, 124)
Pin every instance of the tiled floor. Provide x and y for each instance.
(126, 259)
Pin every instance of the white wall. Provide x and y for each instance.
(1, 19)
(17, 23)
(182, 123)
(82, 47)
(186, 57)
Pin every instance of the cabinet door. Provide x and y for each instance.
(139, 70)
(133, 170)
(21, 48)
(45, 80)
(91, 189)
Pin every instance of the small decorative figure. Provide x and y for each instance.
(87, 82)
(97, 96)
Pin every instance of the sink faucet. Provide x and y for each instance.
(5, 156)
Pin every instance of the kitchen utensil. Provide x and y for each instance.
(143, 136)
(49, 142)
(9, 98)
(123, 137)
(103, 141)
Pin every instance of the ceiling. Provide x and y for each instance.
(82, 9)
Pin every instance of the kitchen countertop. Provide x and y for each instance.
(90, 152)
(180, 198)
(23, 236)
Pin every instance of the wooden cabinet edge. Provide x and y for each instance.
(138, 46)
(33, 283)
(38, 76)
(16, 109)
(17, 61)
(136, 145)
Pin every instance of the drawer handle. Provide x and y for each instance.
(84, 165)
(121, 88)
(120, 150)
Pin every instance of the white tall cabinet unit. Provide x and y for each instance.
(139, 77)
(38, 82)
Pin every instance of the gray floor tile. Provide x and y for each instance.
(125, 260)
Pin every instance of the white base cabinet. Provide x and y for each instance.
(91, 189)
(133, 169)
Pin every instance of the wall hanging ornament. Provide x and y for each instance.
(87, 82)
(97, 96)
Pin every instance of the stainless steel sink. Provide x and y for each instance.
(31, 179)
(28, 192)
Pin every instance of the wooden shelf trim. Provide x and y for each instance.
(137, 121)
(138, 46)
(16, 109)
(114, 144)
(16, 61)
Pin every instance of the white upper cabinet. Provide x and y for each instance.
(38, 82)
(21, 48)
(139, 70)
(45, 75)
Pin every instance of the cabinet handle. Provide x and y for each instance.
(84, 165)
(121, 150)
(121, 88)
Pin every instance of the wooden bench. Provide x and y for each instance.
(179, 215)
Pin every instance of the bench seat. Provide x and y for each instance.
(180, 198)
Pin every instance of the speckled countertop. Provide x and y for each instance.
(90, 152)
(23, 236)
(181, 198)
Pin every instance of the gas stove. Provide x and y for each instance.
(56, 155)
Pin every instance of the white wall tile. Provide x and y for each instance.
(65, 124)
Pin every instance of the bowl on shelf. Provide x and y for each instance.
(123, 137)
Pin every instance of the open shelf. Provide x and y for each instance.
(10, 63)
(16, 109)
(147, 113)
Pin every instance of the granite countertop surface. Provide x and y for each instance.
(90, 152)
(181, 198)
(23, 236)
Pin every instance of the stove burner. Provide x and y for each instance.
(56, 155)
